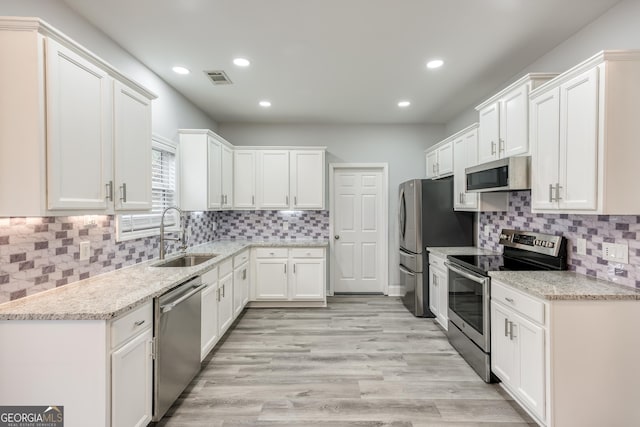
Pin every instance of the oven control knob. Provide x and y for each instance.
(551, 244)
(503, 237)
(536, 242)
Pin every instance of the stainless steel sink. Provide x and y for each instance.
(186, 261)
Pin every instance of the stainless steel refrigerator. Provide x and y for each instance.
(426, 218)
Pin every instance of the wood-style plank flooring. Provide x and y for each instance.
(362, 361)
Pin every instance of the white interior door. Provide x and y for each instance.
(358, 249)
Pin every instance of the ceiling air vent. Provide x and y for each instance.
(219, 77)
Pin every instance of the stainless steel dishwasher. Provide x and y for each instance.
(177, 332)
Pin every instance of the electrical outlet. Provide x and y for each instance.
(285, 225)
(487, 230)
(616, 252)
(85, 250)
(582, 246)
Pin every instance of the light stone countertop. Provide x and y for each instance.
(564, 285)
(109, 295)
(461, 250)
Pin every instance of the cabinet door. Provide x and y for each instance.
(502, 346)
(214, 178)
(307, 280)
(274, 179)
(514, 117)
(443, 298)
(132, 382)
(529, 341)
(240, 288)
(244, 179)
(545, 149)
(227, 177)
(79, 126)
(225, 305)
(432, 163)
(465, 152)
(579, 142)
(307, 179)
(444, 165)
(271, 279)
(433, 292)
(132, 141)
(209, 319)
(489, 133)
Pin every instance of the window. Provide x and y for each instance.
(163, 195)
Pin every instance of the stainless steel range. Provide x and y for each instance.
(470, 289)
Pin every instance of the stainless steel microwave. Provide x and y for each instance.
(510, 174)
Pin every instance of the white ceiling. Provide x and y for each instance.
(340, 61)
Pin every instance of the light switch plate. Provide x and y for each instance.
(616, 252)
(285, 225)
(582, 246)
(85, 250)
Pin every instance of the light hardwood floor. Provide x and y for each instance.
(362, 361)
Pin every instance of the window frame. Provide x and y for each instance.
(163, 144)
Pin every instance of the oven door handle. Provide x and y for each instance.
(467, 275)
(404, 270)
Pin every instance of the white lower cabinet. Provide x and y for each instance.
(289, 274)
(225, 290)
(132, 382)
(209, 314)
(438, 290)
(240, 288)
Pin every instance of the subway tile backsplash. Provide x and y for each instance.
(37, 254)
(596, 229)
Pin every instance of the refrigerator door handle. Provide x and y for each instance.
(402, 214)
(405, 271)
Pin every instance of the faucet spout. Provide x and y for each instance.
(162, 232)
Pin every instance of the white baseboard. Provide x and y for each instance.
(396, 291)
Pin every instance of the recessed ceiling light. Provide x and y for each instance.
(403, 104)
(265, 104)
(435, 63)
(180, 70)
(241, 62)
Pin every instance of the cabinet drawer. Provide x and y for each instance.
(131, 323)
(272, 252)
(241, 258)
(307, 253)
(226, 267)
(210, 277)
(521, 303)
(437, 262)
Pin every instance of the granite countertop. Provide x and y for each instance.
(109, 295)
(564, 285)
(460, 250)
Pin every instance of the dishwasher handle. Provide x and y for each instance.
(168, 307)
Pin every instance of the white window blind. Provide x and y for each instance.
(163, 195)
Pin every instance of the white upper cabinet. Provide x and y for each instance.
(273, 172)
(206, 171)
(439, 159)
(307, 179)
(584, 129)
(75, 133)
(132, 166)
(503, 120)
(79, 135)
(244, 179)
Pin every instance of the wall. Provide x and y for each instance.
(401, 146)
(616, 29)
(596, 229)
(171, 110)
(37, 254)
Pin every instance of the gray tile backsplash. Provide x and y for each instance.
(596, 229)
(37, 254)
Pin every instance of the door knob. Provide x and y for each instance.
(336, 237)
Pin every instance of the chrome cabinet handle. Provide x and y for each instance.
(438, 168)
(510, 300)
(286, 200)
(285, 269)
(511, 328)
(221, 199)
(244, 274)
(218, 294)
(493, 147)
(253, 200)
(123, 192)
(550, 193)
(433, 168)
(558, 187)
(139, 323)
(295, 200)
(109, 191)
(506, 327)
(294, 269)
(501, 145)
